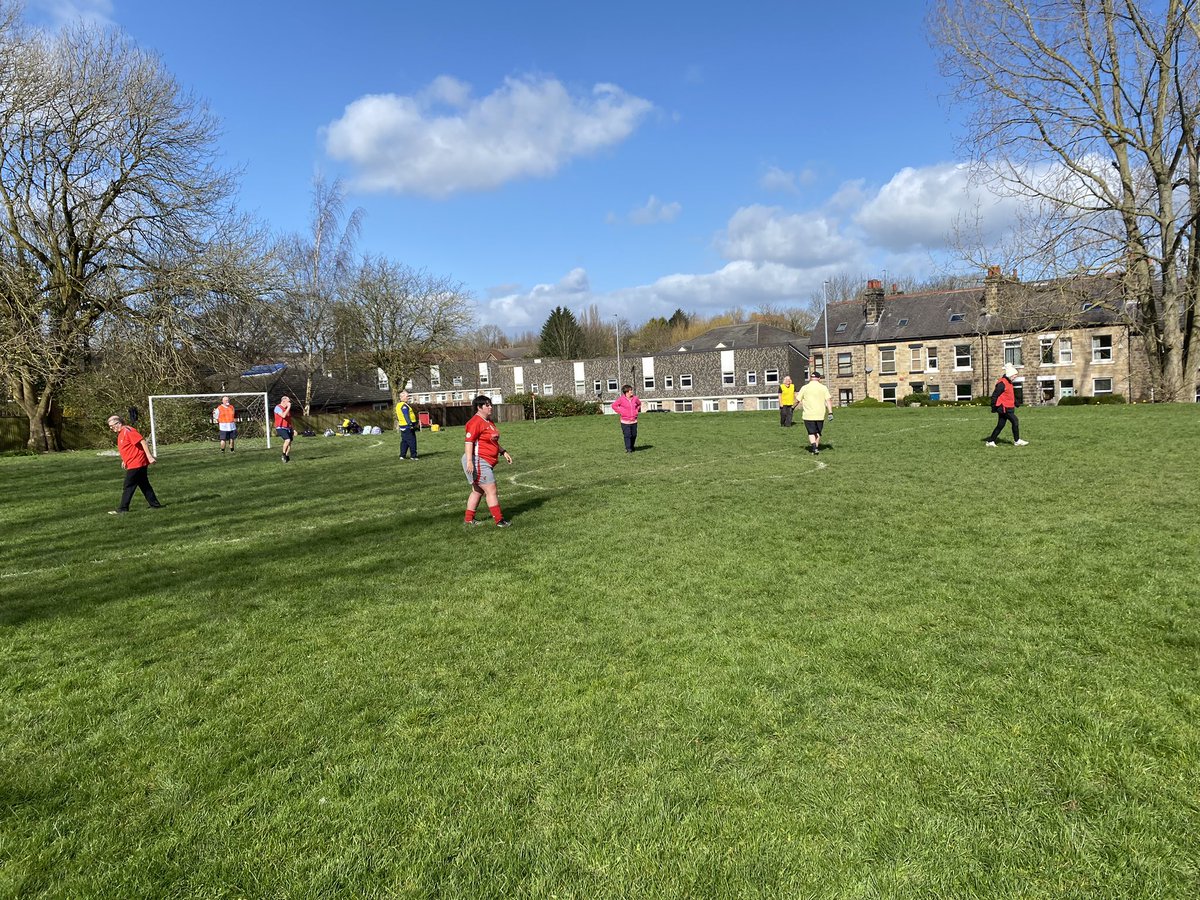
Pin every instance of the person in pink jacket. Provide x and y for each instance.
(627, 406)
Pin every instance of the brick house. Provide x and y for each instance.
(1066, 338)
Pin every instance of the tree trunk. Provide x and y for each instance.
(42, 436)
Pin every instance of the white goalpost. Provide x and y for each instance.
(193, 424)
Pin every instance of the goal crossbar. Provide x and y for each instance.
(231, 395)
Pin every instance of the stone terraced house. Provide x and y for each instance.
(1066, 338)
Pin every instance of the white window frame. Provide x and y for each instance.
(1066, 354)
(887, 360)
(1102, 353)
(771, 376)
(1012, 353)
(612, 385)
(768, 403)
(648, 383)
(970, 355)
(712, 405)
(848, 369)
(1097, 391)
(668, 382)
(456, 381)
(579, 387)
(685, 381)
(728, 377)
(548, 389)
(1046, 354)
(958, 395)
(683, 406)
(931, 359)
(598, 385)
(751, 377)
(885, 389)
(916, 359)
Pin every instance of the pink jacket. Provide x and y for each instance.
(627, 408)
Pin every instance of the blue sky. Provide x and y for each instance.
(635, 156)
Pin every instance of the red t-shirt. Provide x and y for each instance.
(283, 420)
(129, 445)
(484, 433)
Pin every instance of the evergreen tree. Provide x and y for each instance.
(561, 337)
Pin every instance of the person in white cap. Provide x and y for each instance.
(1004, 401)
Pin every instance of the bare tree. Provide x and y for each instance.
(318, 264)
(1089, 113)
(108, 189)
(405, 318)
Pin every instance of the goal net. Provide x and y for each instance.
(188, 418)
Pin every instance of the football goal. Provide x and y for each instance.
(183, 418)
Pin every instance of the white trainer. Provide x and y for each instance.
(990, 444)
(1020, 443)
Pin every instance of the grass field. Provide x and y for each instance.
(718, 667)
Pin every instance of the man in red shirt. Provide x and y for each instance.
(135, 460)
(481, 451)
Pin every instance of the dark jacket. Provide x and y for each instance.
(1003, 398)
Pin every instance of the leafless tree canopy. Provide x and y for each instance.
(1089, 111)
(404, 318)
(111, 208)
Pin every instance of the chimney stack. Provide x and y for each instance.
(993, 285)
(873, 301)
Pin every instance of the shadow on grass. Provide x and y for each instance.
(258, 568)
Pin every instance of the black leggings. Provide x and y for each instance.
(1007, 416)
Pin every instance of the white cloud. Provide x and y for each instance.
(654, 211)
(769, 234)
(526, 310)
(65, 12)
(776, 179)
(920, 207)
(442, 140)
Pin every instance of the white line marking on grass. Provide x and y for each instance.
(512, 479)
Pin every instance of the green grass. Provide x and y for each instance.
(719, 667)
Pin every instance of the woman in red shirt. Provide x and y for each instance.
(481, 452)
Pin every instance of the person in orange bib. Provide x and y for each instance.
(226, 418)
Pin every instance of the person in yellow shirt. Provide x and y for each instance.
(787, 402)
(815, 402)
(408, 427)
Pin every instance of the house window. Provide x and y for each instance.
(612, 385)
(916, 359)
(818, 363)
(768, 403)
(845, 396)
(1064, 350)
(751, 378)
(381, 380)
(1047, 345)
(435, 376)
(1066, 387)
(379, 407)
(957, 317)
(547, 388)
(456, 381)
(598, 385)
(736, 404)
(1101, 387)
(726, 378)
(579, 387)
(840, 329)
(1046, 388)
(771, 376)
(648, 382)
(712, 405)
(935, 392)
(484, 379)
(962, 356)
(1102, 348)
(962, 392)
(654, 404)
(441, 398)
(668, 381)
(845, 367)
(887, 360)
(889, 393)
(683, 406)
(931, 362)
(685, 381)
(1012, 352)
(916, 387)
(424, 398)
